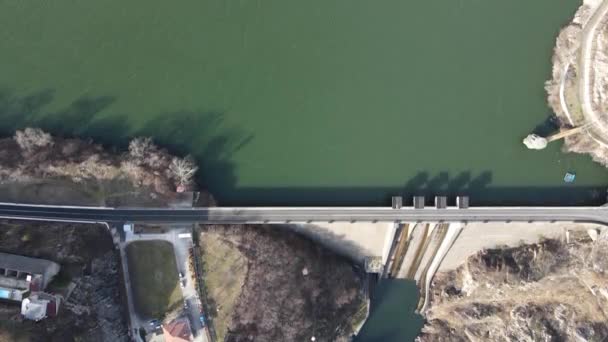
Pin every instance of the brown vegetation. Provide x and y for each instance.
(550, 291)
(224, 269)
(33, 155)
(93, 311)
(292, 290)
(567, 70)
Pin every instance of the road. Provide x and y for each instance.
(252, 215)
(588, 35)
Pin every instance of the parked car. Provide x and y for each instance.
(202, 319)
(155, 324)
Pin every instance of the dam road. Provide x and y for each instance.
(258, 215)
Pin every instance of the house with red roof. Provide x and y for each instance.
(177, 330)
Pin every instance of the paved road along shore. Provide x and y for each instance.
(220, 215)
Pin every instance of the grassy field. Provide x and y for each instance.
(154, 277)
(224, 269)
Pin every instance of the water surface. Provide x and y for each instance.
(392, 318)
(304, 102)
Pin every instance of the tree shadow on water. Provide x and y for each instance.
(206, 136)
(549, 126)
(201, 133)
(212, 141)
(459, 183)
(17, 111)
(463, 183)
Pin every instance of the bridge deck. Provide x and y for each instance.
(237, 215)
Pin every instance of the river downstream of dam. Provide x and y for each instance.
(287, 102)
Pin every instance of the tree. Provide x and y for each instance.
(140, 147)
(31, 139)
(183, 169)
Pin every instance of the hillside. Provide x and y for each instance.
(549, 291)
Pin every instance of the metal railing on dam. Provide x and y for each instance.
(253, 215)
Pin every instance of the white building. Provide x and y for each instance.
(39, 306)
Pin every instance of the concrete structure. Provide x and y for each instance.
(441, 202)
(260, 215)
(358, 241)
(40, 306)
(397, 202)
(19, 275)
(419, 202)
(462, 202)
(535, 142)
(418, 252)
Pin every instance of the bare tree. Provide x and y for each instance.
(31, 139)
(140, 147)
(183, 169)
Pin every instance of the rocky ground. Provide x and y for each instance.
(292, 289)
(94, 310)
(549, 291)
(564, 94)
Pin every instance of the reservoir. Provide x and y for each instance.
(319, 102)
(305, 102)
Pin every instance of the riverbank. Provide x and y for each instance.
(39, 168)
(577, 91)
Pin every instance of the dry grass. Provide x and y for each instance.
(534, 292)
(116, 192)
(225, 269)
(154, 277)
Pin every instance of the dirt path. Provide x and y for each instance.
(562, 99)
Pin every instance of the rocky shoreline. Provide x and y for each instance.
(36, 167)
(566, 91)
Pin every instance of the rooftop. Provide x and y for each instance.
(24, 264)
(177, 331)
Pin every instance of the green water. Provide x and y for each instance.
(305, 102)
(392, 318)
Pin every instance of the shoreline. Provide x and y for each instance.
(574, 92)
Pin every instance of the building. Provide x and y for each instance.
(177, 331)
(21, 275)
(39, 306)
